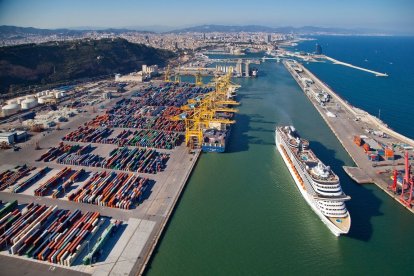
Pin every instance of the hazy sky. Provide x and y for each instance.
(378, 14)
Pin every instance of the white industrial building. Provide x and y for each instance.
(12, 137)
(147, 72)
(7, 137)
(132, 77)
(150, 70)
(51, 118)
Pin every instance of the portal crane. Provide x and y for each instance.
(167, 74)
(408, 183)
(198, 78)
(202, 112)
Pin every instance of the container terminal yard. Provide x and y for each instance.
(381, 155)
(93, 194)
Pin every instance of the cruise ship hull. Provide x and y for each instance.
(311, 202)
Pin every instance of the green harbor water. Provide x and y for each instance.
(241, 213)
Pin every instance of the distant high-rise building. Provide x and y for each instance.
(318, 49)
(204, 36)
(268, 38)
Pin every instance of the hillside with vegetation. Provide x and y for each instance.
(31, 65)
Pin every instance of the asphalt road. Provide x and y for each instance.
(12, 266)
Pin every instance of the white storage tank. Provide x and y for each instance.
(59, 95)
(43, 99)
(10, 109)
(29, 103)
(20, 99)
(12, 101)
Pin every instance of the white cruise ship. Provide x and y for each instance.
(318, 184)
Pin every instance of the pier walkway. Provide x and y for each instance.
(378, 74)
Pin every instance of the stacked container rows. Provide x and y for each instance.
(375, 151)
(134, 160)
(139, 138)
(111, 190)
(10, 177)
(155, 123)
(47, 233)
(45, 187)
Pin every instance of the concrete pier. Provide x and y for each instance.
(358, 175)
(347, 123)
(378, 74)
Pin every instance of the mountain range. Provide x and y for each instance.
(265, 29)
(14, 31)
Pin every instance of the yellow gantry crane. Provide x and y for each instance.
(203, 111)
(177, 76)
(167, 74)
(198, 78)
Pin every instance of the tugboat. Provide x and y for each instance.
(254, 73)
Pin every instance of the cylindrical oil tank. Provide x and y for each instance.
(12, 101)
(59, 95)
(10, 109)
(20, 99)
(29, 103)
(42, 99)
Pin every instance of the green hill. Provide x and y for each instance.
(59, 62)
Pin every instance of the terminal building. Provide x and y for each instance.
(132, 77)
(150, 71)
(146, 73)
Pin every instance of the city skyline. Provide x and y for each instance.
(382, 15)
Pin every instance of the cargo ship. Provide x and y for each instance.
(318, 184)
(215, 140)
(217, 135)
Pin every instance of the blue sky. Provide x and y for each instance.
(378, 14)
